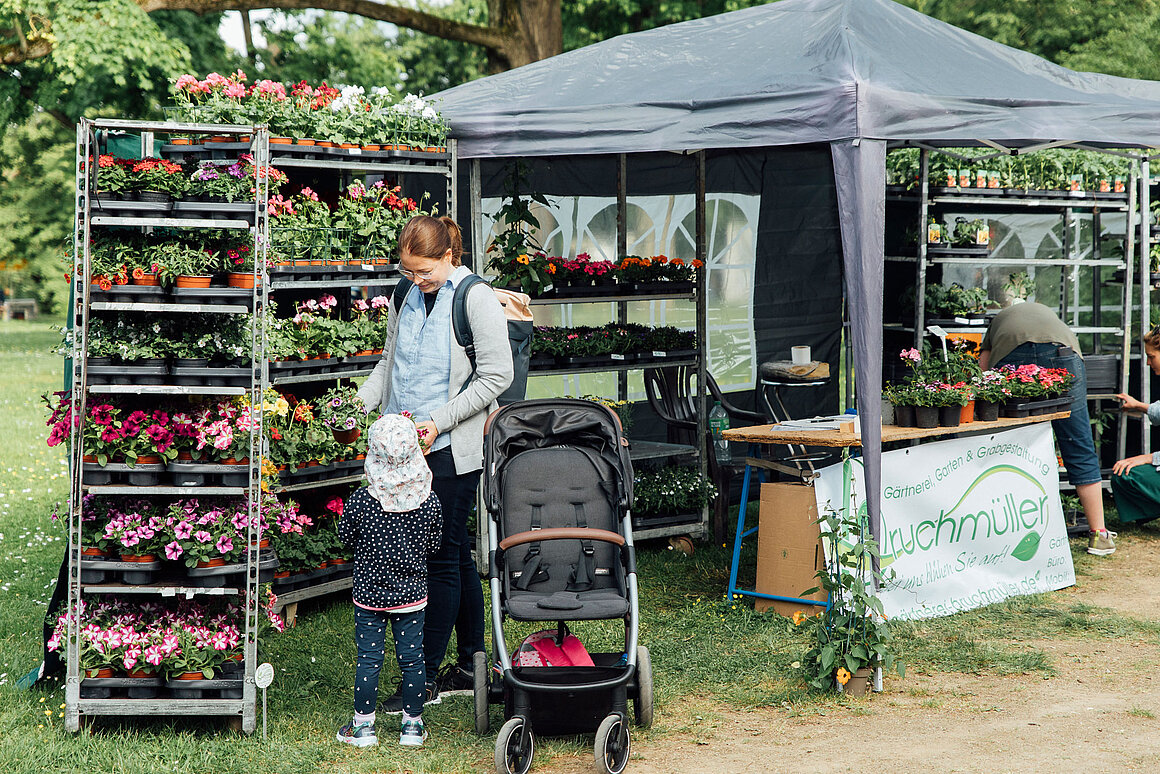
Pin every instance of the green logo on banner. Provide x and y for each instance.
(1027, 547)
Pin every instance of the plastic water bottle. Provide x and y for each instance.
(719, 423)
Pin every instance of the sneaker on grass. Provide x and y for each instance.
(413, 733)
(360, 735)
(454, 680)
(393, 704)
(1101, 543)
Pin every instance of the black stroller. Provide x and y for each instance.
(557, 486)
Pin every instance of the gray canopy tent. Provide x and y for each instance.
(853, 74)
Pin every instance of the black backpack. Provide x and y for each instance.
(519, 323)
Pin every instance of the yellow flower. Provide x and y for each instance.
(843, 675)
(281, 407)
(522, 258)
(799, 618)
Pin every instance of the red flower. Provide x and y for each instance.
(335, 506)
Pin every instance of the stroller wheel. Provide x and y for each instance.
(612, 745)
(642, 705)
(514, 748)
(481, 673)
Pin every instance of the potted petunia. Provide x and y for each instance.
(341, 410)
(991, 392)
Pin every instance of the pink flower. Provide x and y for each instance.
(173, 551)
(335, 506)
(183, 529)
(201, 536)
(360, 305)
(185, 81)
(235, 90)
(153, 655)
(327, 302)
(379, 302)
(225, 544)
(309, 194)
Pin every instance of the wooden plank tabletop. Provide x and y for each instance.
(772, 435)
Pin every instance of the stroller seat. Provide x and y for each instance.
(568, 606)
(569, 579)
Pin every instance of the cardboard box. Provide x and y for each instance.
(789, 547)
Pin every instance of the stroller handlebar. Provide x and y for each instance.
(561, 533)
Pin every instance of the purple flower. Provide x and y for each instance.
(173, 550)
(225, 544)
(201, 536)
(183, 529)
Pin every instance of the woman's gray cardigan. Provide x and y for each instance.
(465, 412)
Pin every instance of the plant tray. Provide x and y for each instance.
(348, 271)
(971, 250)
(133, 573)
(213, 377)
(130, 294)
(213, 295)
(957, 322)
(126, 374)
(1032, 408)
(132, 207)
(232, 210)
(202, 689)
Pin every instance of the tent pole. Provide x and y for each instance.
(1145, 295)
(621, 251)
(920, 263)
(702, 328)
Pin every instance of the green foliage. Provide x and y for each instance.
(590, 21)
(36, 203)
(332, 47)
(670, 491)
(433, 64)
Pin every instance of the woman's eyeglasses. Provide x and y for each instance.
(416, 275)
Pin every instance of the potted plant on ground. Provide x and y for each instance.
(850, 637)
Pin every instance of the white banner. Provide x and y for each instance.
(965, 522)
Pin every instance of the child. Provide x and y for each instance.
(1136, 480)
(392, 525)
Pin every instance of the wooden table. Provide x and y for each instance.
(772, 434)
(764, 435)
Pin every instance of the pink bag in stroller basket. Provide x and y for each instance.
(540, 650)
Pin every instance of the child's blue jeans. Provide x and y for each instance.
(370, 627)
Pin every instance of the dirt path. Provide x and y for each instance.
(1098, 714)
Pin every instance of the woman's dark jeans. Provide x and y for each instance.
(454, 596)
(1073, 434)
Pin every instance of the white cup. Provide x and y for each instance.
(800, 355)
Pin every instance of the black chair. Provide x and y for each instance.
(671, 395)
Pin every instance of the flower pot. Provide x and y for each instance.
(153, 196)
(925, 416)
(193, 281)
(346, 436)
(304, 141)
(859, 682)
(985, 411)
(149, 278)
(325, 144)
(281, 140)
(140, 674)
(948, 416)
(190, 676)
(968, 413)
(236, 279)
(180, 141)
(217, 561)
(282, 574)
(94, 553)
(99, 673)
(146, 558)
(348, 145)
(370, 147)
(232, 461)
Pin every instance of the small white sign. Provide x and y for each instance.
(616, 356)
(264, 675)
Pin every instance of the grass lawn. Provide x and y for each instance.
(703, 647)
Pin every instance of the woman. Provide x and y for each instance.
(1136, 480)
(425, 372)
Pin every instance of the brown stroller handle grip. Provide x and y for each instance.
(560, 533)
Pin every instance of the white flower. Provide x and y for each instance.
(430, 113)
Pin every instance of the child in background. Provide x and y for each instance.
(392, 525)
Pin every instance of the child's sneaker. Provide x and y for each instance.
(361, 735)
(1101, 543)
(393, 704)
(413, 733)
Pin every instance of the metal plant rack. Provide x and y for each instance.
(242, 709)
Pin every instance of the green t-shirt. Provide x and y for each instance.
(1023, 323)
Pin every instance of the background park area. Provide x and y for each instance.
(1065, 680)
